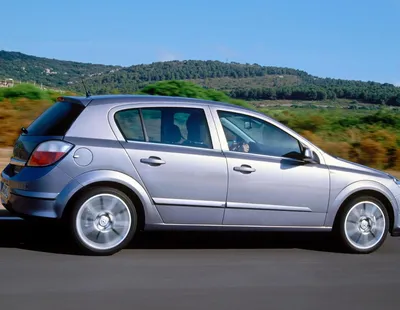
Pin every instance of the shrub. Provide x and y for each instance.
(396, 161)
(311, 122)
(24, 91)
(190, 90)
(372, 153)
(382, 118)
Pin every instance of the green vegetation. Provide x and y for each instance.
(22, 90)
(369, 93)
(190, 90)
(29, 91)
(26, 68)
(247, 82)
(239, 81)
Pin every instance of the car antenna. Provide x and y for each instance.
(86, 90)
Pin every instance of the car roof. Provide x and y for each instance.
(109, 99)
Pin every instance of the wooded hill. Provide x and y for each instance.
(241, 81)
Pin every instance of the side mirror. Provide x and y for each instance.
(308, 156)
(247, 125)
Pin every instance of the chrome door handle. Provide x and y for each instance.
(152, 161)
(244, 169)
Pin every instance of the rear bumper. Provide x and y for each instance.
(33, 207)
(33, 192)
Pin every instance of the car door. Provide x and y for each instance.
(176, 152)
(269, 183)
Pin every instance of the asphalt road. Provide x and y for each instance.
(39, 270)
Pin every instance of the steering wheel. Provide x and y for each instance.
(239, 146)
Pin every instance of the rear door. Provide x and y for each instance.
(176, 152)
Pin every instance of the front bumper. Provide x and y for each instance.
(395, 231)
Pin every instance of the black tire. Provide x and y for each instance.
(83, 245)
(351, 246)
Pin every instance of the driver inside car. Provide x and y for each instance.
(240, 147)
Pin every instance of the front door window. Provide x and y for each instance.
(252, 135)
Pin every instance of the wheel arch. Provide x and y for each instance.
(133, 189)
(357, 189)
(373, 193)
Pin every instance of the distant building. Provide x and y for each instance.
(49, 71)
(7, 83)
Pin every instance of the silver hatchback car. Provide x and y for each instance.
(109, 166)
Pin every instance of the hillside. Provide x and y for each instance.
(246, 81)
(49, 72)
(240, 81)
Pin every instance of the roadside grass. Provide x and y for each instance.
(371, 138)
(17, 113)
(19, 106)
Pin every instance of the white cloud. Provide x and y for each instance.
(165, 55)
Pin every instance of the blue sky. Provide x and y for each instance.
(350, 39)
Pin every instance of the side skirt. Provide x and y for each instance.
(207, 227)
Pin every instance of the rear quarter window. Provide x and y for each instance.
(129, 123)
(56, 120)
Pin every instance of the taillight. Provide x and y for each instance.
(48, 153)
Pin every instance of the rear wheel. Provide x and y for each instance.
(103, 221)
(363, 225)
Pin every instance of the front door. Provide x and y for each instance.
(269, 184)
(179, 160)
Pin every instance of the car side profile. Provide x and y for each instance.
(110, 166)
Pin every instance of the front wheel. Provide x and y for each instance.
(363, 225)
(103, 221)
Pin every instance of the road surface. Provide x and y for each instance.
(39, 270)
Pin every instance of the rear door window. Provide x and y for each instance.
(56, 120)
(166, 125)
